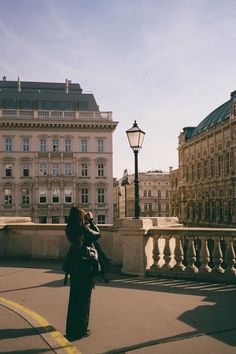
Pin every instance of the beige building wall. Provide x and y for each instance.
(154, 195)
(44, 185)
(206, 192)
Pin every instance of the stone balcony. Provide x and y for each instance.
(159, 247)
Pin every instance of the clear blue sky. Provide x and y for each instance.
(165, 63)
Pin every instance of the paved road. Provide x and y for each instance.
(129, 315)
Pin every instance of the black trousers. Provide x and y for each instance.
(79, 305)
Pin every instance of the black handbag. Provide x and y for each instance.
(82, 260)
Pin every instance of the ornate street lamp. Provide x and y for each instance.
(135, 137)
(125, 183)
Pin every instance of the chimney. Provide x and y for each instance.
(66, 86)
(18, 85)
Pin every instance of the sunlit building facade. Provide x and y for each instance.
(204, 187)
(154, 195)
(56, 151)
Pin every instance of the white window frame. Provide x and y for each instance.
(68, 169)
(8, 196)
(55, 196)
(84, 145)
(25, 170)
(101, 195)
(26, 145)
(8, 170)
(68, 194)
(68, 145)
(84, 169)
(55, 169)
(100, 169)
(42, 196)
(100, 145)
(55, 145)
(43, 170)
(8, 144)
(25, 195)
(43, 145)
(84, 195)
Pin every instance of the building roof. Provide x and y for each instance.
(217, 116)
(45, 95)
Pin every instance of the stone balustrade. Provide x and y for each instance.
(153, 246)
(197, 253)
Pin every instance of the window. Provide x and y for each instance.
(55, 145)
(25, 196)
(84, 196)
(67, 145)
(220, 165)
(198, 170)
(212, 167)
(42, 219)
(55, 219)
(43, 196)
(167, 194)
(68, 196)
(55, 169)
(43, 169)
(25, 145)
(101, 219)
(55, 196)
(100, 145)
(205, 168)
(8, 170)
(43, 145)
(68, 169)
(145, 194)
(26, 170)
(227, 163)
(159, 194)
(8, 196)
(100, 170)
(84, 145)
(8, 144)
(84, 170)
(149, 194)
(101, 195)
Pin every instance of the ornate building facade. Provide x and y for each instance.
(56, 151)
(204, 186)
(154, 194)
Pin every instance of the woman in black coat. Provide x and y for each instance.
(80, 231)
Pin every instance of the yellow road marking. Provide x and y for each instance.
(58, 337)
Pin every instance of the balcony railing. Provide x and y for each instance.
(199, 253)
(55, 115)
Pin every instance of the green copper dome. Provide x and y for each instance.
(219, 115)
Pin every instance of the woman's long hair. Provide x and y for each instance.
(76, 222)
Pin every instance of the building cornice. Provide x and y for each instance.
(59, 125)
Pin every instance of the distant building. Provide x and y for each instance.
(154, 195)
(204, 188)
(56, 151)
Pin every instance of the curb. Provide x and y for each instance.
(56, 341)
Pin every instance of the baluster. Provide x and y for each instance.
(191, 257)
(230, 258)
(217, 257)
(204, 256)
(157, 255)
(179, 255)
(168, 256)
